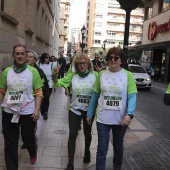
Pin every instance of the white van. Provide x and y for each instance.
(142, 79)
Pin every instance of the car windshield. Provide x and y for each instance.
(136, 69)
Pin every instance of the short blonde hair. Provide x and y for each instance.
(87, 60)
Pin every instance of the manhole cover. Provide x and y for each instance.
(60, 132)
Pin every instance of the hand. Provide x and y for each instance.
(35, 115)
(126, 121)
(89, 120)
(55, 88)
(97, 67)
(67, 93)
(56, 70)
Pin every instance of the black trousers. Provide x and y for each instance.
(74, 124)
(46, 102)
(61, 74)
(11, 133)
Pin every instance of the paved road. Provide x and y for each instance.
(153, 153)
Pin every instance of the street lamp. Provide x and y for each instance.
(104, 45)
(128, 6)
(83, 31)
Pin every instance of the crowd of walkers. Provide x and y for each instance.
(107, 96)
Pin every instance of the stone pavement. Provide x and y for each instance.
(52, 150)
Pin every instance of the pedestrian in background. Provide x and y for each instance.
(167, 96)
(96, 62)
(163, 69)
(53, 62)
(114, 99)
(81, 83)
(156, 72)
(51, 74)
(20, 95)
(62, 65)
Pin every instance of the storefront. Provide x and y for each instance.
(156, 35)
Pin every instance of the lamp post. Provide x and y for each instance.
(128, 6)
(83, 31)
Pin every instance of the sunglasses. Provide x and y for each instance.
(115, 58)
(47, 57)
(79, 64)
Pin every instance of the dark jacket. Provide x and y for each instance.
(63, 62)
(94, 63)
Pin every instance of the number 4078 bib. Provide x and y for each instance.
(113, 102)
(15, 97)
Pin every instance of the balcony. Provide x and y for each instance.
(67, 12)
(66, 24)
(112, 28)
(63, 33)
(116, 11)
(117, 20)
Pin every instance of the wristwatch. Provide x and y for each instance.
(130, 115)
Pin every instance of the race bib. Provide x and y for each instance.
(113, 102)
(15, 97)
(82, 100)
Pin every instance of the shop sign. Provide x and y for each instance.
(154, 29)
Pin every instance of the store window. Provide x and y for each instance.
(163, 6)
(149, 12)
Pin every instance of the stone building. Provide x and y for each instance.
(64, 25)
(30, 22)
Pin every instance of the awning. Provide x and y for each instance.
(147, 47)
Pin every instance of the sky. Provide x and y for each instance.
(77, 13)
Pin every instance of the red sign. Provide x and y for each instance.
(154, 29)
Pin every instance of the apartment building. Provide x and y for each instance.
(106, 22)
(64, 25)
(156, 34)
(34, 23)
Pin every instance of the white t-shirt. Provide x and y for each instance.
(113, 89)
(48, 69)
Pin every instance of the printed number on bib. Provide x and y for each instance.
(15, 97)
(82, 100)
(113, 102)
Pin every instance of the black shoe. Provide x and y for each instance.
(69, 167)
(87, 157)
(45, 116)
(24, 146)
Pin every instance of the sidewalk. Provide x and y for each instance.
(52, 150)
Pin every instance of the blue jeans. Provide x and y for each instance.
(103, 142)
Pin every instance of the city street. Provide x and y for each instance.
(154, 152)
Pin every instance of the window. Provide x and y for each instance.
(149, 12)
(111, 25)
(99, 6)
(163, 6)
(97, 33)
(98, 15)
(98, 24)
(111, 34)
(96, 41)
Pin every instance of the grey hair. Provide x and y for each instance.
(35, 54)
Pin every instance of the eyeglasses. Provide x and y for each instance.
(115, 58)
(79, 64)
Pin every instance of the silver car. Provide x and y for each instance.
(142, 79)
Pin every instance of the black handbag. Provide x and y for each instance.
(167, 99)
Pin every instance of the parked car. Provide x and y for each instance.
(142, 79)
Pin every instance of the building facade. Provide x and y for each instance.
(156, 34)
(106, 22)
(64, 25)
(34, 23)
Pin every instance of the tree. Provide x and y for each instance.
(134, 56)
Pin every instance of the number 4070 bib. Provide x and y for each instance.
(113, 102)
